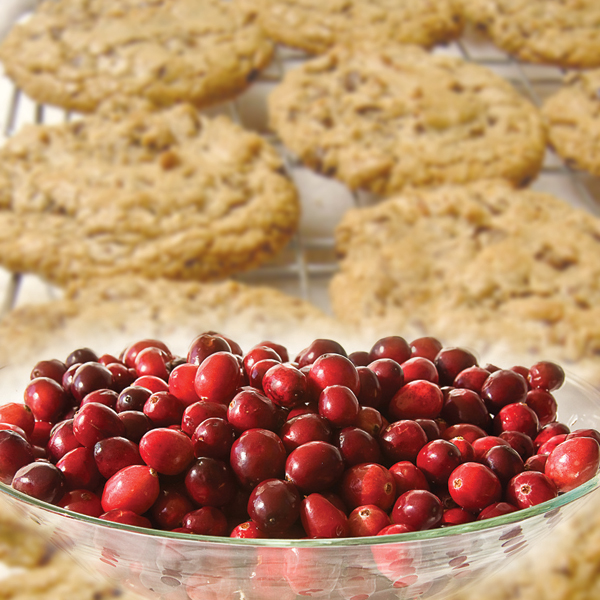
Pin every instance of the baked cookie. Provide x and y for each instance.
(77, 53)
(482, 265)
(382, 118)
(573, 119)
(317, 25)
(167, 193)
(565, 33)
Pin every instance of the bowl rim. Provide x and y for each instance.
(517, 517)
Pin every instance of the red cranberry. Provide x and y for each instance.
(213, 437)
(274, 505)
(18, 414)
(468, 431)
(132, 398)
(573, 462)
(431, 428)
(503, 387)
(136, 424)
(126, 517)
(437, 459)
(79, 469)
(369, 419)
(316, 349)
(41, 480)
(367, 520)
(210, 482)
(370, 389)
(497, 509)
(517, 417)
(218, 378)
(90, 376)
(40, 436)
(304, 428)
(390, 376)
(204, 345)
(368, 483)
(549, 431)
(456, 516)
(314, 467)
(408, 476)
(154, 384)
(107, 397)
(521, 442)
(164, 409)
(181, 383)
(67, 379)
(417, 399)
(543, 404)
(592, 433)
(419, 509)
(482, 445)
(474, 486)
(94, 422)
(62, 440)
(247, 530)
(16, 429)
(116, 453)
(357, 446)
(258, 454)
(339, 405)
(427, 347)
(529, 489)
(451, 361)
(122, 376)
(195, 413)
(53, 369)
(467, 454)
(285, 385)
(170, 508)
(46, 399)
(359, 358)
(130, 353)
(546, 375)
(81, 355)
(504, 462)
(152, 361)
(548, 446)
(258, 353)
(321, 519)
(465, 406)
(206, 520)
(402, 440)
(471, 378)
(393, 347)
(332, 369)
(167, 451)
(249, 409)
(537, 462)
(419, 368)
(83, 502)
(107, 359)
(258, 371)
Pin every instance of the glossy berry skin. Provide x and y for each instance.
(132, 351)
(274, 505)
(418, 509)
(195, 413)
(53, 369)
(357, 446)
(520, 442)
(370, 420)
(88, 377)
(152, 361)
(402, 440)
(126, 517)
(416, 400)
(437, 459)
(407, 476)
(482, 445)
(206, 520)
(285, 385)
(456, 516)
(427, 347)
(218, 378)
(474, 486)
(305, 428)
(529, 489)
(418, 367)
(83, 502)
(258, 372)
(317, 348)
(359, 358)
(503, 387)
(163, 409)
(573, 462)
(465, 406)
(107, 397)
(154, 384)
(368, 483)
(167, 451)
(548, 446)
(250, 409)
(504, 461)
(471, 378)
(247, 530)
(467, 454)
(41, 480)
(134, 488)
(40, 436)
(546, 375)
(181, 383)
(496, 509)
(537, 462)
(393, 347)
(62, 440)
(367, 520)
(321, 519)
(213, 437)
(46, 399)
(258, 454)
(204, 345)
(370, 388)
(258, 353)
(122, 376)
(170, 508)
(332, 369)
(549, 431)
(79, 469)
(113, 454)
(517, 417)
(451, 361)
(468, 431)
(132, 398)
(136, 424)
(543, 404)
(210, 482)
(390, 376)
(18, 414)
(339, 405)
(95, 422)
(314, 467)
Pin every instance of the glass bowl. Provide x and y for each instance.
(428, 564)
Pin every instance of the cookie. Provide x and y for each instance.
(381, 118)
(565, 33)
(163, 194)
(77, 53)
(317, 25)
(573, 119)
(502, 271)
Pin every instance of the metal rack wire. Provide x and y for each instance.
(305, 267)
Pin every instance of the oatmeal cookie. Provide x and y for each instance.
(564, 33)
(483, 265)
(573, 120)
(76, 53)
(381, 118)
(162, 194)
(317, 25)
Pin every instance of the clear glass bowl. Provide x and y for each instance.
(426, 564)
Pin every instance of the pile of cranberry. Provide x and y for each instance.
(402, 438)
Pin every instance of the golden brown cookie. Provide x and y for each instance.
(317, 25)
(384, 117)
(77, 53)
(161, 194)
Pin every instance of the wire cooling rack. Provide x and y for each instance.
(304, 268)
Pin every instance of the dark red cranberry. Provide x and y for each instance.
(497, 509)
(107, 359)
(419, 509)
(474, 486)
(402, 440)
(465, 406)
(132, 398)
(95, 422)
(79, 469)
(431, 428)
(154, 384)
(46, 399)
(308, 408)
(339, 405)
(451, 361)
(130, 353)
(258, 371)
(314, 467)
(573, 462)
(416, 400)
(517, 417)
(437, 459)
(549, 431)
(204, 345)
(126, 517)
(543, 404)
(136, 424)
(274, 505)
(107, 397)
(408, 476)
(62, 440)
(40, 436)
(170, 508)
(41, 480)
(304, 428)
(90, 376)
(318, 348)
(549, 445)
(467, 454)
(16, 429)
(83, 502)
(195, 413)
(164, 409)
(504, 461)
(359, 358)
(357, 446)
(546, 375)
(113, 454)
(250, 409)
(81, 355)
(210, 482)
(482, 445)
(181, 383)
(370, 389)
(258, 353)
(529, 489)
(393, 347)
(370, 420)
(321, 519)
(67, 379)
(503, 387)
(218, 378)
(368, 483)
(122, 376)
(592, 433)
(390, 376)
(206, 520)
(332, 369)
(279, 348)
(213, 437)
(247, 530)
(537, 462)
(456, 516)
(419, 368)
(465, 430)
(427, 347)
(367, 520)
(471, 378)
(521, 442)
(152, 361)
(53, 369)
(285, 385)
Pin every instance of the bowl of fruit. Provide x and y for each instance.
(401, 471)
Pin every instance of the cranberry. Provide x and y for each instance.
(218, 378)
(16, 429)
(67, 379)
(213, 437)
(437, 459)
(136, 424)
(130, 353)
(368, 483)
(321, 519)
(497, 509)
(79, 469)
(482, 445)
(467, 454)
(258, 353)
(359, 358)
(53, 369)
(113, 454)
(393, 347)
(318, 348)
(427, 347)
(471, 378)
(41, 480)
(62, 440)
(408, 476)
(127, 517)
(94, 422)
(503, 387)
(83, 502)
(247, 530)
(170, 508)
(304, 428)
(107, 359)
(167, 451)
(548, 446)
(285, 385)
(339, 405)
(465, 430)
(274, 505)
(314, 467)
(46, 399)
(402, 440)
(152, 361)
(451, 361)
(122, 376)
(154, 384)
(549, 431)
(40, 436)
(81, 355)
(573, 462)
(456, 516)
(474, 486)
(206, 520)
(419, 368)
(370, 420)
(18, 414)
(107, 397)
(537, 462)
(517, 417)
(204, 345)
(258, 454)
(543, 404)
(592, 433)
(504, 462)
(417, 399)
(419, 509)
(181, 383)
(390, 376)
(332, 369)
(210, 482)
(465, 406)
(90, 376)
(258, 371)
(395, 561)
(357, 446)
(367, 520)
(529, 489)
(164, 409)
(132, 398)
(546, 375)
(521, 442)
(195, 413)
(250, 409)
(431, 428)
(370, 389)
